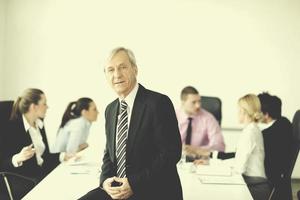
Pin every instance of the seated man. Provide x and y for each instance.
(277, 142)
(199, 130)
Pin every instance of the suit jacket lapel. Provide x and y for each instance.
(113, 123)
(136, 118)
(24, 134)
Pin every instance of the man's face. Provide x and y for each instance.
(121, 74)
(192, 104)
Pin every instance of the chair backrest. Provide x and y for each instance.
(213, 105)
(284, 191)
(5, 110)
(295, 142)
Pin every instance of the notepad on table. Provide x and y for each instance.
(231, 180)
(214, 170)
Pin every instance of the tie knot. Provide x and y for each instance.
(190, 119)
(123, 106)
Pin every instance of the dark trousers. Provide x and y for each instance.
(97, 194)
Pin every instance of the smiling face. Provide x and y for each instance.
(121, 74)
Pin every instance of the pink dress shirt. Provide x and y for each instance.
(206, 132)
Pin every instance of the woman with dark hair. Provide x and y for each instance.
(25, 147)
(75, 126)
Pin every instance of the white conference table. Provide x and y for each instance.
(71, 182)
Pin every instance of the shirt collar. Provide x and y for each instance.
(27, 126)
(129, 99)
(183, 117)
(269, 124)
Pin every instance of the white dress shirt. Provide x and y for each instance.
(74, 133)
(250, 153)
(129, 99)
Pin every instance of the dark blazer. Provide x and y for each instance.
(277, 143)
(14, 139)
(153, 147)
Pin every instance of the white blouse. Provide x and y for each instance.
(74, 133)
(250, 153)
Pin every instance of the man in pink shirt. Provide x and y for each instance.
(198, 128)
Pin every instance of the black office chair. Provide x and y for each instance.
(214, 106)
(285, 185)
(5, 110)
(8, 179)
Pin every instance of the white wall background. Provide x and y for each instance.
(223, 48)
(2, 39)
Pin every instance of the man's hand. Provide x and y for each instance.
(123, 191)
(25, 154)
(201, 162)
(108, 188)
(195, 151)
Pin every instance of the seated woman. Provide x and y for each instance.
(250, 154)
(75, 126)
(25, 148)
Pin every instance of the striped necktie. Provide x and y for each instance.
(122, 131)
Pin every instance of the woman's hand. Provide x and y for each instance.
(83, 146)
(25, 154)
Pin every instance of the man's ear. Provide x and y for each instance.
(135, 70)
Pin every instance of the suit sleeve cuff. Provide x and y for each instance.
(62, 156)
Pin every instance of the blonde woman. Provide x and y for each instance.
(250, 154)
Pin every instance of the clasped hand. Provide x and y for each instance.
(123, 191)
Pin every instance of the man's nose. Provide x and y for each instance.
(117, 73)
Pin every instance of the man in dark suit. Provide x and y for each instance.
(142, 139)
(277, 143)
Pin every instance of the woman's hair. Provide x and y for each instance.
(251, 105)
(74, 109)
(22, 104)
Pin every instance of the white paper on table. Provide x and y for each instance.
(213, 170)
(231, 180)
